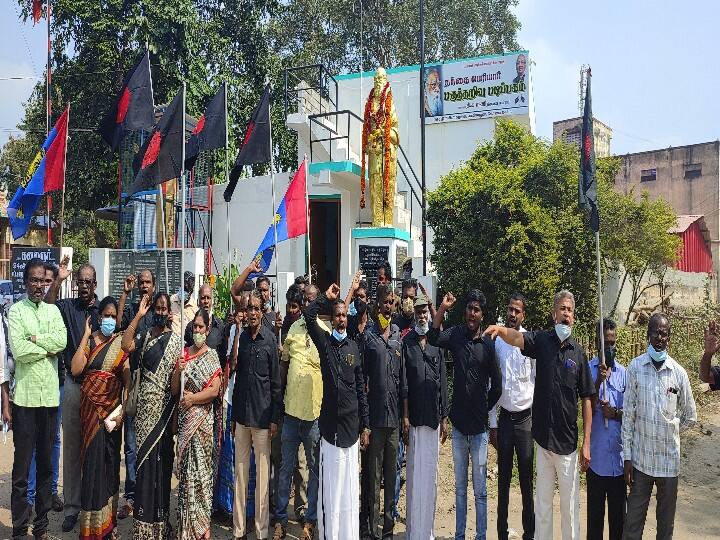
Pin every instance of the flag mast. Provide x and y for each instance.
(274, 211)
(48, 119)
(307, 219)
(227, 180)
(182, 238)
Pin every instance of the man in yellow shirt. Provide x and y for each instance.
(302, 380)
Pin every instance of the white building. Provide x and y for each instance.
(321, 107)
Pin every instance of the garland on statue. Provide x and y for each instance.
(382, 117)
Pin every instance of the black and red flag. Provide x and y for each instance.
(588, 195)
(133, 109)
(210, 131)
(160, 158)
(256, 142)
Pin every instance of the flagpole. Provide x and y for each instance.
(227, 180)
(182, 240)
(48, 119)
(272, 182)
(62, 203)
(307, 220)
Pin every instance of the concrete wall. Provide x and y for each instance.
(699, 195)
(570, 131)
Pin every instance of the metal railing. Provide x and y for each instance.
(309, 89)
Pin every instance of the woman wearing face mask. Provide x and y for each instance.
(199, 422)
(107, 373)
(159, 351)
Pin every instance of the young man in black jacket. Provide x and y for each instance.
(343, 419)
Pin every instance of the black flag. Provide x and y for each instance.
(588, 183)
(256, 142)
(209, 133)
(160, 158)
(133, 108)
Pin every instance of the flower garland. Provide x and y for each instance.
(381, 117)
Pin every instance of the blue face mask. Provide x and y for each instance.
(107, 327)
(657, 356)
(563, 331)
(337, 335)
(351, 309)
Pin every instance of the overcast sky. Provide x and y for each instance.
(655, 69)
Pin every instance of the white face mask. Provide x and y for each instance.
(422, 329)
(563, 331)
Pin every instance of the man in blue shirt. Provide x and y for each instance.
(605, 481)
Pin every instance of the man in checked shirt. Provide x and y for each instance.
(658, 405)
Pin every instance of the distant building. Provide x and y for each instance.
(687, 177)
(569, 131)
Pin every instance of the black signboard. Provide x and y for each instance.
(370, 258)
(19, 258)
(124, 262)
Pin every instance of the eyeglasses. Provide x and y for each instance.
(87, 282)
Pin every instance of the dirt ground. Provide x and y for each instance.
(699, 492)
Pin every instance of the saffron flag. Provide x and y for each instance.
(133, 109)
(256, 142)
(211, 130)
(290, 218)
(587, 185)
(160, 158)
(46, 173)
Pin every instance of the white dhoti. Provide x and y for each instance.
(422, 465)
(338, 513)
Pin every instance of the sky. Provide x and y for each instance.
(655, 74)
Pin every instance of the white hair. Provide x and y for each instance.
(563, 295)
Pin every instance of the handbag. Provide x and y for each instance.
(132, 397)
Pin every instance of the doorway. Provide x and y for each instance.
(325, 240)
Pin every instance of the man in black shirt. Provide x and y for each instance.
(381, 367)
(146, 285)
(425, 410)
(343, 415)
(405, 318)
(74, 311)
(257, 407)
(562, 376)
(477, 386)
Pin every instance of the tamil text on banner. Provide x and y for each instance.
(483, 87)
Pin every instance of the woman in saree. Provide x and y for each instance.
(199, 425)
(107, 373)
(159, 350)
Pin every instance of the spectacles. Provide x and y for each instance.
(87, 282)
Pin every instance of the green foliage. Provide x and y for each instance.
(221, 284)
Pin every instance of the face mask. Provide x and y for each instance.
(563, 331)
(351, 309)
(159, 320)
(107, 326)
(46, 288)
(657, 356)
(268, 305)
(407, 307)
(422, 329)
(610, 356)
(384, 321)
(338, 336)
(199, 339)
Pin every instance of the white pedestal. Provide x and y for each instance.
(374, 245)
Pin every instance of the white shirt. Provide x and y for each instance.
(518, 376)
(658, 405)
(231, 382)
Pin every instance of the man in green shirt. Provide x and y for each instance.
(37, 335)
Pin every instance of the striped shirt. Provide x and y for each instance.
(658, 404)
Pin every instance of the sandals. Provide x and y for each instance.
(125, 511)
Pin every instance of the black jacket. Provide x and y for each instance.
(424, 382)
(382, 366)
(344, 409)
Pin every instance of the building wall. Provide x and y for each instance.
(687, 177)
(570, 131)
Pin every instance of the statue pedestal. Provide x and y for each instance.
(374, 245)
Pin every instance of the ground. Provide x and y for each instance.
(698, 494)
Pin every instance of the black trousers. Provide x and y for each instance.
(515, 438)
(382, 465)
(639, 500)
(602, 489)
(34, 428)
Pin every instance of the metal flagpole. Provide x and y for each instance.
(274, 220)
(422, 134)
(601, 337)
(227, 180)
(62, 203)
(307, 218)
(182, 239)
(48, 117)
